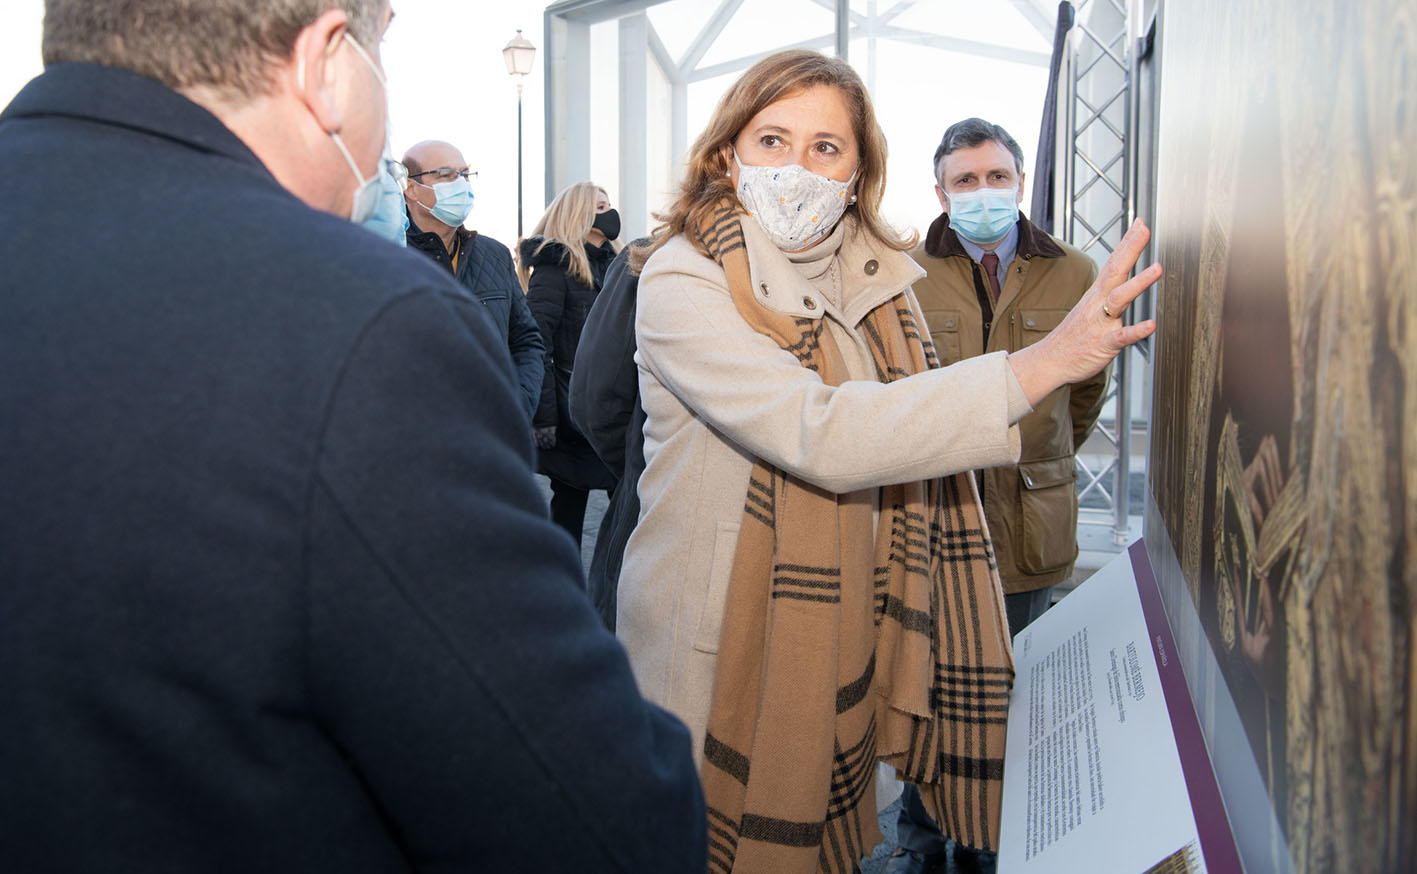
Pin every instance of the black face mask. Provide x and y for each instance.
(608, 223)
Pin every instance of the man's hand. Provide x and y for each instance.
(545, 437)
(1092, 333)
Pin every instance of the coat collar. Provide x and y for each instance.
(942, 242)
(122, 98)
(871, 274)
(429, 241)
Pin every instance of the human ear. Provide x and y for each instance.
(944, 200)
(1021, 177)
(725, 154)
(310, 72)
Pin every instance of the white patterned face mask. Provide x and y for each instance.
(795, 206)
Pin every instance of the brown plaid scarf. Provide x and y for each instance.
(838, 651)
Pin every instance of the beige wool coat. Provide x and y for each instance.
(717, 394)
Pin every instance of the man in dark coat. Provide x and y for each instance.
(280, 593)
(439, 199)
(605, 407)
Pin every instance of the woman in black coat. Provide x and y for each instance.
(563, 264)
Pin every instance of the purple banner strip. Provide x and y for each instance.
(1217, 843)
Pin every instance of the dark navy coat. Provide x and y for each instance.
(278, 591)
(605, 405)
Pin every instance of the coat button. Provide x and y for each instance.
(1030, 323)
(809, 303)
(764, 287)
(949, 323)
(872, 267)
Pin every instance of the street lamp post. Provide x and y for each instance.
(519, 54)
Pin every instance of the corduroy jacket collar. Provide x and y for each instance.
(942, 242)
(111, 95)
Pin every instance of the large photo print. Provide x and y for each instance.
(1284, 434)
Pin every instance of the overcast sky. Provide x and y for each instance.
(447, 80)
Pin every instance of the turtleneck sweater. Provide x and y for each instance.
(816, 265)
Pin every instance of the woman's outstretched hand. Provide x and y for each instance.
(1092, 333)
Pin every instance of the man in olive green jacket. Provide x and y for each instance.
(996, 281)
(1032, 506)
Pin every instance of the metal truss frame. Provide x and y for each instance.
(567, 60)
(1101, 194)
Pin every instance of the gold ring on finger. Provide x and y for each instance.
(1108, 313)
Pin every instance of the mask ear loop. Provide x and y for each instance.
(852, 199)
(354, 44)
(383, 84)
(349, 159)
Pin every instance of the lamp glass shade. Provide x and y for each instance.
(519, 55)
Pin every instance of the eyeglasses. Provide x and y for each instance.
(398, 171)
(444, 174)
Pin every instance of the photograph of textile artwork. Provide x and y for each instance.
(1284, 440)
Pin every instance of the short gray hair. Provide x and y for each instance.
(226, 45)
(972, 132)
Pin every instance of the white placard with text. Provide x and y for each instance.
(1092, 778)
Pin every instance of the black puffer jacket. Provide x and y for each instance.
(560, 303)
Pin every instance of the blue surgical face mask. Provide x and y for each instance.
(454, 201)
(984, 215)
(389, 219)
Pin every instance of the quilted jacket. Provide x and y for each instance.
(485, 268)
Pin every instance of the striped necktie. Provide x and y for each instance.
(990, 261)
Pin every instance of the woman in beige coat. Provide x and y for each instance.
(793, 511)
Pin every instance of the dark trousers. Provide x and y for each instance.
(568, 508)
(1024, 607)
(915, 830)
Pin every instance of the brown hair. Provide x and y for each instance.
(225, 45)
(706, 181)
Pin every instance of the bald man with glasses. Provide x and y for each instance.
(439, 199)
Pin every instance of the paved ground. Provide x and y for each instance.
(877, 862)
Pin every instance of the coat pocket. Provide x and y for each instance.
(1048, 514)
(944, 333)
(725, 544)
(1038, 322)
(1034, 324)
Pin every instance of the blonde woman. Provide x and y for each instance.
(810, 586)
(562, 265)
